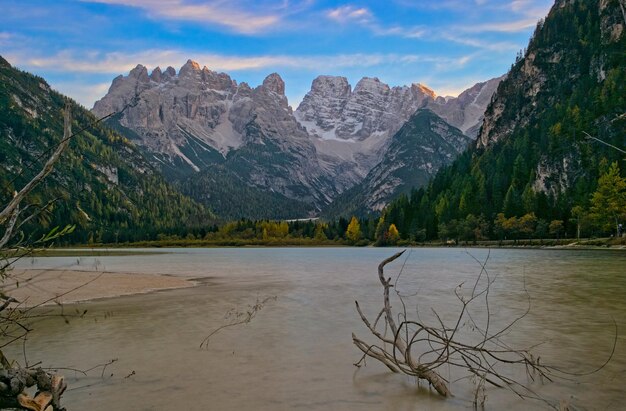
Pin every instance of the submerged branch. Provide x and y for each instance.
(417, 349)
(240, 318)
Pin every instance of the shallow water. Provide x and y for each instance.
(297, 353)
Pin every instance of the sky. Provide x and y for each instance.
(79, 46)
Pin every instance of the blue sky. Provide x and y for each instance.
(79, 46)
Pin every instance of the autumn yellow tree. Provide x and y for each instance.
(353, 232)
(392, 234)
(556, 228)
(273, 229)
(527, 224)
(320, 235)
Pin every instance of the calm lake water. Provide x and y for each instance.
(298, 353)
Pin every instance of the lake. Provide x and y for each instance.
(297, 353)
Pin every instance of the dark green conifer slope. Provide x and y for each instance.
(532, 155)
(102, 183)
(232, 198)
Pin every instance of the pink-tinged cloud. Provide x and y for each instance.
(209, 12)
(363, 17)
(345, 14)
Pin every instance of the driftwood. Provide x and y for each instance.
(400, 359)
(14, 382)
(420, 350)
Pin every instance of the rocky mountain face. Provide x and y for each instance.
(466, 112)
(553, 63)
(354, 127)
(196, 120)
(563, 59)
(416, 152)
(174, 113)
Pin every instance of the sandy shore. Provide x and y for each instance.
(33, 287)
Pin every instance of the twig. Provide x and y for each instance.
(244, 318)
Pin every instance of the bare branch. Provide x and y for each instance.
(240, 318)
(47, 168)
(420, 350)
(8, 233)
(604, 142)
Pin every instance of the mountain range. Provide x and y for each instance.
(205, 132)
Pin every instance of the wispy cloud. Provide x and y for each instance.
(528, 12)
(415, 32)
(500, 27)
(5, 37)
(343, 14)
(115, 63)
(516, 6)
(519, 15)
(209, 12)
(364, 17)
(441, 4)
(520, 5)
(497, 46)
(537, 10)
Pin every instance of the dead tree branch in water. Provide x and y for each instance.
(421, 350)
(239, 318)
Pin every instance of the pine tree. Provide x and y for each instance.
(381, 230)
(512, 202)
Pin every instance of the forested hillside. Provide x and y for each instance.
(102, 184)
(231, 198)
(534, 171)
